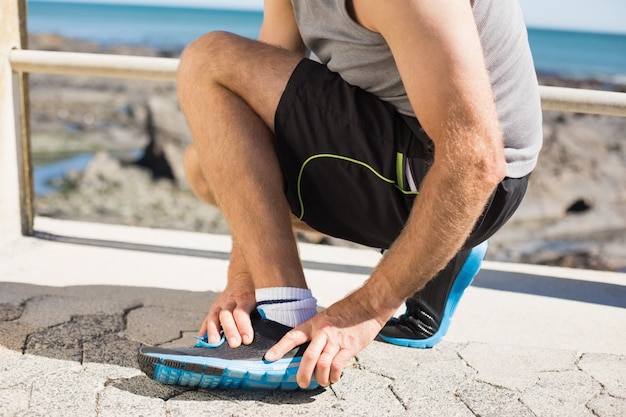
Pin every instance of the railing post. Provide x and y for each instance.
(16, 196)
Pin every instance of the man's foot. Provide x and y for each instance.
(430, 311)
(219, 366)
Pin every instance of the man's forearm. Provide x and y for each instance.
(444, 214)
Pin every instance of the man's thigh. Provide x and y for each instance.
(352, 164)
(254, 71)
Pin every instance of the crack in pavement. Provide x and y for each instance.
(397, 397)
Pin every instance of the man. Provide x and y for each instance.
(416, 134)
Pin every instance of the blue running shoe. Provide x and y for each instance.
(220, 366)
(429, 311)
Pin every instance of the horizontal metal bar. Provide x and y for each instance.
(583, 101)
(97, 65)
(123, 66)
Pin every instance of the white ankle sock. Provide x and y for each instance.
(286, 305)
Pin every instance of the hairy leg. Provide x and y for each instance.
(238, 297)
(200, 186)
(229, 88)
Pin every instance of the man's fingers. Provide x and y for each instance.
(213, 330)
(340, 361)
(293, 338)
(323, 369)
(244, 325)
(310, 361)
(230, 329)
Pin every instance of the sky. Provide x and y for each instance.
(585, 15)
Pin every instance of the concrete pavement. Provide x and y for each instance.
(526, 340)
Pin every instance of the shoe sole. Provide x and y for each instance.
(222, 374)
(463, 280)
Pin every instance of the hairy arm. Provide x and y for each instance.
(279, 26)
(437, 49)
(440, 59)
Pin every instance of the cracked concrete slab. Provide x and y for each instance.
(66, 340)
(487, 400)
(9, 312)
(13, 335)
(111, 349)
(47, 381)
(175, 299)
(364, 391)
(186, 339)
(608, 370)
(184, 407)
(94, 370)
(14, 401)
(607, 406)
(107, 374)
(145, 387)
(47, 311)
(515, 367)
(564, 394)
(376, 356)
(156, 325)
(425, 386)
(16, 293)
(112, 402)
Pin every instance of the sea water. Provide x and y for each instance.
(162, 27)
(568, 54)
(579, 55)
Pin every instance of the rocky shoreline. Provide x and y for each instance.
(573, 214)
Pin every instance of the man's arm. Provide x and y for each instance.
(279, 26)
(439, 56)
(440, 59)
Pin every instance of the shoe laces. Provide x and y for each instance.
(420, 319)
(203, 342)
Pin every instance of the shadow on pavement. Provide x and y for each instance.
(567, 289)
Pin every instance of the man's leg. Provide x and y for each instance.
(229, 88)
(213, 364)
(240, 294)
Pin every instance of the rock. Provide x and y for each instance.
(55, 42)
(112, 192)
(573, 212)
(103, 171)
(168, 136)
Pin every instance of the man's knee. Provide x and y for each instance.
(209, 57)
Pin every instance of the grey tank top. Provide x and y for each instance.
(363, 58)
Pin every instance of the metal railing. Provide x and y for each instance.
(95, 65)
(101, 65)
(16, 61)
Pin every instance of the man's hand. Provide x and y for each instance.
(231, 313)
(336, 335)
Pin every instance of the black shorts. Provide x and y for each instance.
(353, 165)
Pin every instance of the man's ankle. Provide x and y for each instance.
(286, 305)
